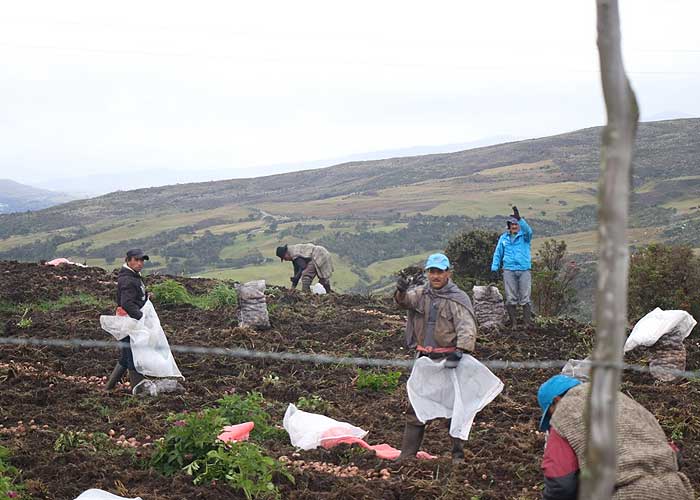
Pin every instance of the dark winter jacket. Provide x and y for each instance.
(131, 292)
(299, 264)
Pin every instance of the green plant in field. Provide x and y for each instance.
(223, 296)
(249, 408)
(270, 379)
(170, 292)
(10, 487)
(24, 321)
(314, 403)
(377, 381)
(70, 440)
(242, 466)
(191, 437)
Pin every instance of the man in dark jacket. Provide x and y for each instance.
(647, 466)
(440, 324)
(131, 297)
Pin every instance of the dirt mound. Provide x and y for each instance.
(59, 390)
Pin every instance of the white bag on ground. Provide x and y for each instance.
(156, 387)
(578, 368)
(657, 323)
(318, 289)
(306, 429)
(95, 494)
(252, 305)
(459, 393)
(149, 345)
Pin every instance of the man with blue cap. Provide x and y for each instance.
(513, 254)
(647, 466)
(440, 324)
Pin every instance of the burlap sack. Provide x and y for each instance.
(252, 306)
(488, 307)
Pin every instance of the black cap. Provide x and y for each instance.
(281, 252)
(136, 253)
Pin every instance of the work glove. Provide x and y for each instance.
(403, 283)
(452, 360)
(516, 213)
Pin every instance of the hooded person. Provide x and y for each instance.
(647, 465)
(309, 261)
(131, 297)
(512, 253)
(441, 325)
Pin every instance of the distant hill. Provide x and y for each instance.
(375, 216)
(16, 197)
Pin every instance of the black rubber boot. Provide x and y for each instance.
(134, 378)
(326, 284)
(457, 451)
(412, 439)
(115, 377)
(512, 317)
(527, 315)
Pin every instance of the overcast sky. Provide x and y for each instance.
(103, 87)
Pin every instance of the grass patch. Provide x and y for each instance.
(170, 292)
(377, 381)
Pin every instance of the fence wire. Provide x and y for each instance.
(314, 358)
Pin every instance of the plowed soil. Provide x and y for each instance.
(45, 391)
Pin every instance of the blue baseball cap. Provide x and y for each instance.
(439, 261)
(555, 386)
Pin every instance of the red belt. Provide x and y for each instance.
(437, 350)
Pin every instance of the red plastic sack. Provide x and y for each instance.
(235, 433)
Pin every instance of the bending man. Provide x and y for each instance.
(309, 261)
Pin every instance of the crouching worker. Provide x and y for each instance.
(131, 297)
(647, 465)
(440, 325)
(309, 261)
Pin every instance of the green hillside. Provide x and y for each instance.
(375, 216)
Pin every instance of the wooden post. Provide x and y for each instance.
(599, 472)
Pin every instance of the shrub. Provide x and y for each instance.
(470, 254)
(553, 291)
(170, 292)
(9, 482)
(191, 437)
(223, 296)
(248, 408)
(242, 466)
(664, 276)
(377, 381)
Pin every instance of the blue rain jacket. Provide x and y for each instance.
(513, 252)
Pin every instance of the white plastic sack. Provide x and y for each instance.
(95, 494)
(152, 356)
(578, 368)
(318, 289)
(307, 429)
(656, 324)
(459, 393)
(148, 387)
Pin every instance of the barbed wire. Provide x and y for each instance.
(242, 353)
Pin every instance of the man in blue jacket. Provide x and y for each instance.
(513, 254)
